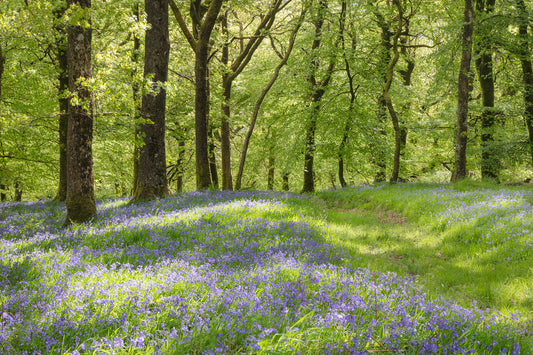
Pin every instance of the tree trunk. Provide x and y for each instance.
(262, 97)
(2, 63)
(227, 81)
(380, 156)
(317, 89)
(62, 67)
(3, 195)
(152, 177)
(386, 95)
(271, 171)
(489, 159)
(353, 91)
(80, 200)
(18, 191)
(180, 162)
(136, 92)
(285, 178)
(212, 139)
(459, 171)
(527, 70)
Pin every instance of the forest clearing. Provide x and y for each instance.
(405, 268)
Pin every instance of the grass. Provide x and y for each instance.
(472, 243)
(389, 269)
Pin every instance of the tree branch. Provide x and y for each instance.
(181, 22)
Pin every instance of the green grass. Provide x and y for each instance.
(468, 242)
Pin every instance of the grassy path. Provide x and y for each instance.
(470, 244)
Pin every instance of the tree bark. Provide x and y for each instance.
(386, 94)
(465, 74)
(527, 70)
(262, 96)
(285, 178)
(2, 63)
(317, 89)
(227, 81)
(62, 67)
(203, 21)
(379, 158)
(489, 159)
(80, 200)
(152, 177)
(136, 95)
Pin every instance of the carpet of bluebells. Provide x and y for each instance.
(213, 273)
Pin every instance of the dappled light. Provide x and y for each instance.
(216, 272)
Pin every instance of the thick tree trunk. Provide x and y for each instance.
(80, 200)
(136, 92)
(203, 174)
(152, 177)
(62, 67)
(489, 159)
(3, 195)
(459, 171)
(527, 70)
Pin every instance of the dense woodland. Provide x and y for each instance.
(138, 98)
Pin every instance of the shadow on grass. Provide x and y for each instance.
(465, 274)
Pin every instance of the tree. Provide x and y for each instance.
(284, 57)
(233, 70)
(80, 200)
(62, 77)
(317, 89)
(527, 69)
(203, 17)
(483, 55)
(152, 174)
(459, 171)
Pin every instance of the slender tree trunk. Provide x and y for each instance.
(262, 96)
(202, 23)
(317, 89)
(459, 171)
(152, 178)
(3, 195)
(386, 95)
(489, 159)
(379, 158)
(271, 171)
(2, 63)
(18, 191)
(353, 92)
(227, 81)
(212, 138)
(285, 186)
(135, 58)
(80, 200)
(62, 67)
(527, 70)
(180, 165)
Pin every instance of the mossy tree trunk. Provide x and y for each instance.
(465, 74)
(80, 200)
(62, 68)
(483, 55)
(152, 176)
(527, 70)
